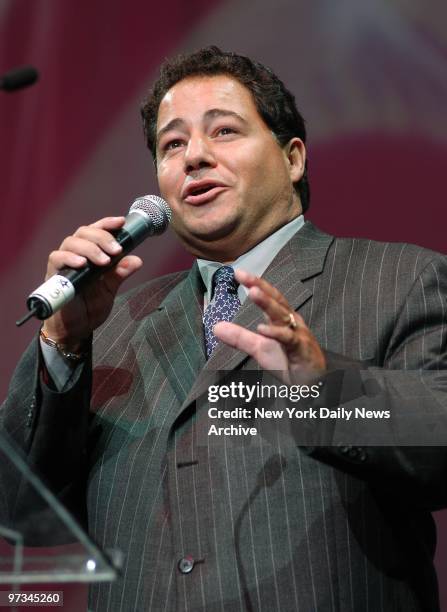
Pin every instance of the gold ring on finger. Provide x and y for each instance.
(290, 321)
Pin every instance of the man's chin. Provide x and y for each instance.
(213, 242)
(210, 232)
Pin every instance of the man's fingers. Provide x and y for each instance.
(276, 312)
(285, 335)
(284, 343)
(236, 336)
(128, 265)
(125, 268)
(109, 223)
(90, 242)
(300, 345)
(299, 320)
(263, 294)
(275, 306)
(87, 249)
(249, 280)
(60, 259)
(103, 239)
(265, 351)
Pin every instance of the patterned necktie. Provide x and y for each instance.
(223, 306)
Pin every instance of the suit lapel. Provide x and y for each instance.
(175, 332)
(301, 258)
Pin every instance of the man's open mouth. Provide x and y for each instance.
(201, 190)
(203, 193)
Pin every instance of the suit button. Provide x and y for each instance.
(345, 449)
(30, 413)
(186, 565)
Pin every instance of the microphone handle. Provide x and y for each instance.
(61, 288)
(79, 276)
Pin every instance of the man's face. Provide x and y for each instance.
(221, 169)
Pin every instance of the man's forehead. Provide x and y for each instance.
(200, 95)
(217, 84)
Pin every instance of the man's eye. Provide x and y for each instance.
(172, 144)
(225, 130)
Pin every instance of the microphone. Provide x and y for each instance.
(149, 215)
(18, 78)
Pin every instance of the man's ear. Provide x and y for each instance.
(295, 152)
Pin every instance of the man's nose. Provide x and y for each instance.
(198, 154)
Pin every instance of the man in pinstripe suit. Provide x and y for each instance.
(275, 521)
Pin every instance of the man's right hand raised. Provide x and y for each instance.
(75, 322)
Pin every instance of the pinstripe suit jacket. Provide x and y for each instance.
(264, 524)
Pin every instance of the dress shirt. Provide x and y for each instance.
(256, 261)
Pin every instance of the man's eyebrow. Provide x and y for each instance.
(222, 112)
(212, 113)
(172, 125)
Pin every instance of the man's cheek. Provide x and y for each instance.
(167, 178)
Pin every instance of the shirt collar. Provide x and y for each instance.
(256, 261)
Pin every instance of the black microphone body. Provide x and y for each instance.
(89, 272)
(148, 215)
(129, 237)
(78, 277)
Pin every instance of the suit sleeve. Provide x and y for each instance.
(405, 452)
(50, 429)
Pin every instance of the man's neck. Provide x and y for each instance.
(256, 260)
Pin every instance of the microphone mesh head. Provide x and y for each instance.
(156, 209)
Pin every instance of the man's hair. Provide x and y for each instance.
(274, 102)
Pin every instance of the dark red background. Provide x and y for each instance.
(369, 78)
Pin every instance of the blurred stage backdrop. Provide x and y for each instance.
(368, 75)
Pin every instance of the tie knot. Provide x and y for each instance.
(224, 279)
